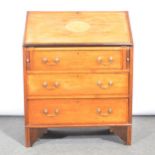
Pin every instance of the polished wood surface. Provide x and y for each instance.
(76, 58)
(77, 84)
(78, 111)
(124, 132)
(78, 71)
(77, 28)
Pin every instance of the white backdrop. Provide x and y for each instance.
(12, 22)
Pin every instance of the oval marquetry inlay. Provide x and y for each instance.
(77, 26)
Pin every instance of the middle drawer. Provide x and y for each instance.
(77, 84)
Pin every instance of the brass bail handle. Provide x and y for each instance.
(53, 114)
(101, 61)
(54, 85)
(102, 86)
(101, 113)
(55, 61)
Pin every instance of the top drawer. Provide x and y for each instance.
(76, 58)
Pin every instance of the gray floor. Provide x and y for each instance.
(81, 141)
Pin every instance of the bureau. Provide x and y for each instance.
(78, 69)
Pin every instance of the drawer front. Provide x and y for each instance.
(77, 84)
(76, 59)
(70, 111)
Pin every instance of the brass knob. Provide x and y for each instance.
(127, 59)
(56, 60)
(110, 83)
(45, 84)
(56, 84)
(56, 111)
(45, 111)
(98, 110)
(99, 59)
(44, 59)
(110, 59)
(27, 60)
(99, 83)
(110, 110)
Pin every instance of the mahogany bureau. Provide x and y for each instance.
(78, 69)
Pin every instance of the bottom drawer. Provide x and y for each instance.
(77, 111)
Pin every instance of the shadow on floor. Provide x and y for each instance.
(72, 133)
(54, 134)
(13, 127)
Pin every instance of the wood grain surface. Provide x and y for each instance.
(76, 58)
(77, 84)
(78, 111)
(78, 71)
(104, 28)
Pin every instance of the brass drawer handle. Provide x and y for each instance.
(55, 112)
(102, 86)
(44, 60)
(54, 85)
(55, 61)
(101, 113)
(101, 61)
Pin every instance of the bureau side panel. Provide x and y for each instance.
(130, 84)
(25, 85)
(26, 67)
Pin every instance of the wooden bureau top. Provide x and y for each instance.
(77, 28)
